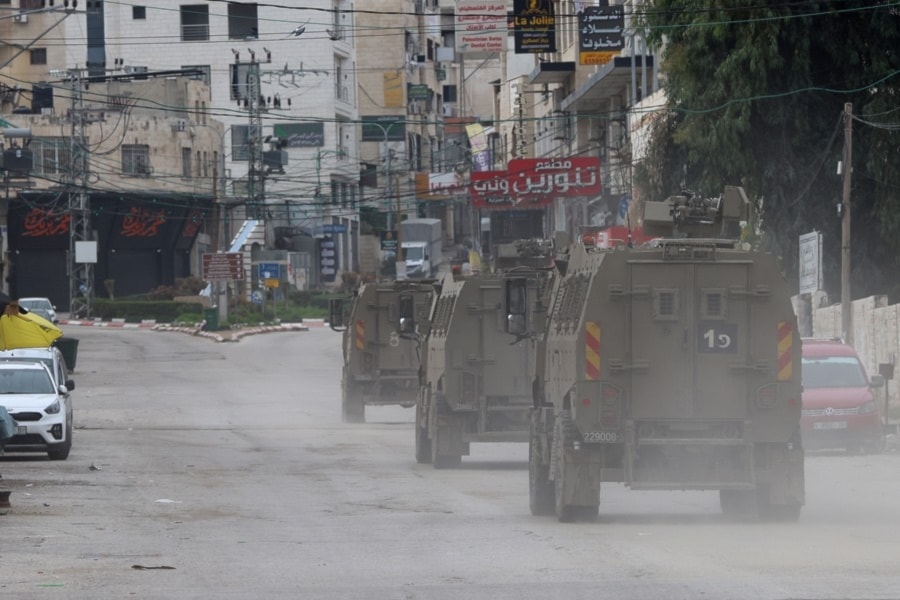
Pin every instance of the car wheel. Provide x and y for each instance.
(875, 446)
(61, 451)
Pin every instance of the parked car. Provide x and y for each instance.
(50, 356)
(839, 406)
(41, 409)
(41, 306)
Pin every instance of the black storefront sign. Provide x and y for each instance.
(534, 26)
(600, 34)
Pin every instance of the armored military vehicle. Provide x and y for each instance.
(381, 328)
(477, 368)
(671, 366)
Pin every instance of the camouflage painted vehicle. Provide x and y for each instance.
(381, 328)
(671, 366)
(478, 363)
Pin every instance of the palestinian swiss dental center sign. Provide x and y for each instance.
(480, 27)
(536, 182)
(600, 34)
(534, 26)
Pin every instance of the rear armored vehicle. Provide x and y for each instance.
(381, 328)
(671, 366)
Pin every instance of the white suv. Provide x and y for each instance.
(50, 356)
(41, 406)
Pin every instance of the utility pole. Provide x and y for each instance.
(81, 272)
(847, 169)
(256, 182)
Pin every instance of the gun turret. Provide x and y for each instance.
(689, 215)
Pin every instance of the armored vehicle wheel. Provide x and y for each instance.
(562, 439)
(781, 513)
(423, 444)
(442, 461)
(738, 504)
(353, 410)
(540, 488)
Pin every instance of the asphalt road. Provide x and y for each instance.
(222, 470)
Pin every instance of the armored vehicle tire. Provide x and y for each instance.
(781, 513)
(353, 410)
(541, 493)
(562, 439)
(423, 444)
(739, 505)
(443, 461)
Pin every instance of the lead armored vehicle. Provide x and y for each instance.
(671, 366)
(381, 349)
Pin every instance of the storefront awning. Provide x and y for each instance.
(609, 80)
(551, 72)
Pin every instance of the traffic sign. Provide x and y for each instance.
(269, 271)
(222, 266)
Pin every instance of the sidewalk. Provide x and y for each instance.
(222, 335)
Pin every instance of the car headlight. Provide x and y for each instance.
(53, 408)
(867, 408)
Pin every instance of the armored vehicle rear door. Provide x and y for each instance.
(395, 351)
(689, 340)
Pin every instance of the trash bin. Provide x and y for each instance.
(211, 316)
(69, 348)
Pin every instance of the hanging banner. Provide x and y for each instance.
(481, 152)
(534, 26)
(600, 34)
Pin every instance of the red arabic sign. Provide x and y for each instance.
(536, 182)
(45, 223)
(142, 223)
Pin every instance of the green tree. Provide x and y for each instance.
(756, 91)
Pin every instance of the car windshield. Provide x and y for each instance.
(414, 253)
(25, 381)
(33, 304)
(833, 372)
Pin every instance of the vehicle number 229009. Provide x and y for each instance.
(601, 437)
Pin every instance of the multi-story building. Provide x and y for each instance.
(281, 79)
(130, 162)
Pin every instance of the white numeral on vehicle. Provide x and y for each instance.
(604, 437)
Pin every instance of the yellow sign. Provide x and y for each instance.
(393, 89)
(596, 58)
(271, 283)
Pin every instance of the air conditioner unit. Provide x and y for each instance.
(20, 18)
(448, 110)
(420, 58)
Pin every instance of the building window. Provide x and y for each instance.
(194, 23)
(449, 93)
(186, 163)
(39, 56)
(136, 160)
(138, 13)
(239, 85)
(240, 142)
(242, 21)
(31, 4)
(52, 156)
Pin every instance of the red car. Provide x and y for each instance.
(839, 407)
